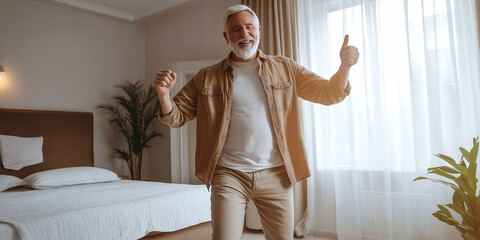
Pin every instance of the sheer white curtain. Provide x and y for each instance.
(415, 93)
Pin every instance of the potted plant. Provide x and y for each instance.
(133, 113)
(461, 177)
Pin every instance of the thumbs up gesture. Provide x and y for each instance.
(348, 54)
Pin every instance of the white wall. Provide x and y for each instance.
(61, 59)
(188, 33)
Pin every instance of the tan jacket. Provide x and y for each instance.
(208, 97)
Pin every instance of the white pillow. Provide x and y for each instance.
(7, 181)
(19, 152)
(69, 176)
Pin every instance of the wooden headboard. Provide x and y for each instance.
(67, 137)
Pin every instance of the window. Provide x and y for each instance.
(415, 89)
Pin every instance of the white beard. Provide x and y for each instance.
(246, 52)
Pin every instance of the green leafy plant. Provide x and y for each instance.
(133, 113)
(461, 177)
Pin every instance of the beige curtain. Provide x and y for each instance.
(278, 19)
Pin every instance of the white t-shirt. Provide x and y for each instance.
(250, 144)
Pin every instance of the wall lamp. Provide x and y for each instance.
(1, 72)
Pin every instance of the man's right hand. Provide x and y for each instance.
(164, 82)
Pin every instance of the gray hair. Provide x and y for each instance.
(238, 8)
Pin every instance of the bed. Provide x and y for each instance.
(110, 209)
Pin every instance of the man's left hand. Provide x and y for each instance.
(348, 54)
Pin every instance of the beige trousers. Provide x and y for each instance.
(270, 190)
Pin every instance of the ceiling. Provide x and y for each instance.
(129, 10)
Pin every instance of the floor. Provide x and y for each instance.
(258, 235)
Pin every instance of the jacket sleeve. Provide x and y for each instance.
(184, 106)
(314, 88)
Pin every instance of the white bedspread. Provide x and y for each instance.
(117, 210)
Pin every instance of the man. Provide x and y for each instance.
(249, 143)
